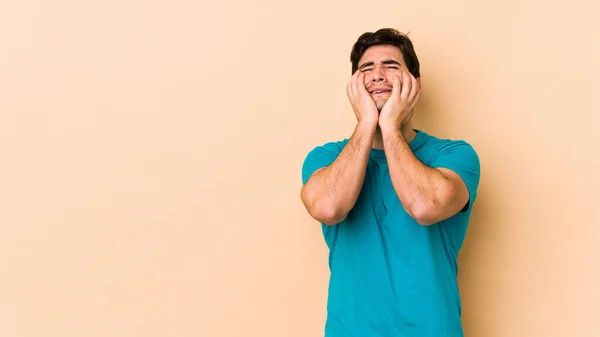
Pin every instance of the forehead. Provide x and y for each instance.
(381, 53)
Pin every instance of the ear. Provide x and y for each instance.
(419, 82)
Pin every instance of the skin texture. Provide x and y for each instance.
(384, 121)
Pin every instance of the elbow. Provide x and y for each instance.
(424, 213)
(434, 208)
(322, 209)
(432, 211)
(424, 219)
(326, 213)
(425, 222)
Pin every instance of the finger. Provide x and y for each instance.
(406, 87)
(348, 86)
(413, 87)
(359, 81)
(416, 98)
(396, 87)
(362, 88)
(351, 81)
(352, 85)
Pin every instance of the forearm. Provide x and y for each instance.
(419, 187)
(331, 192)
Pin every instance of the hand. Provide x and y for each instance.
(398, 109)
(362, 103)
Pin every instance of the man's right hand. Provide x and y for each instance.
(363, 104)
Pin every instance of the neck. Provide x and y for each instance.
(407, 132)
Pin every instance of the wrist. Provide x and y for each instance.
(367, 126)
(390, 129)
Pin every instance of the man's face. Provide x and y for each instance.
(380, 64)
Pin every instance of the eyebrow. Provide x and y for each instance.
(368, 64)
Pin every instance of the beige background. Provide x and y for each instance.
(151, 156)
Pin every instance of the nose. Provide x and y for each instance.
(377, 74)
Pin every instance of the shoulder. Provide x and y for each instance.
(321, 156)
(459, 156)
(332, 146)
(446, 149)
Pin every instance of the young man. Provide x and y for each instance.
(393, 203)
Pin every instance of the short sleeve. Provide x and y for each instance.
(460, 157)
(319, 157)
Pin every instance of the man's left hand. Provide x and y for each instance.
(400, 106)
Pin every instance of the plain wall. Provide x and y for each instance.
(151, 156)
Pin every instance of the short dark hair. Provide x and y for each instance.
(386, 36)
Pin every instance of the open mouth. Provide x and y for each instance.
(381, 92)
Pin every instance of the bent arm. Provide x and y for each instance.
(331, 191)
(429, 195)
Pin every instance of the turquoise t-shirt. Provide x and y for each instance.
(390, 276)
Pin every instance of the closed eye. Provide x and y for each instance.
(391, 64)
(388, 67)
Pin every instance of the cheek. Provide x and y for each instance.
(368, 78)
(387, 74)
(391, 74)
